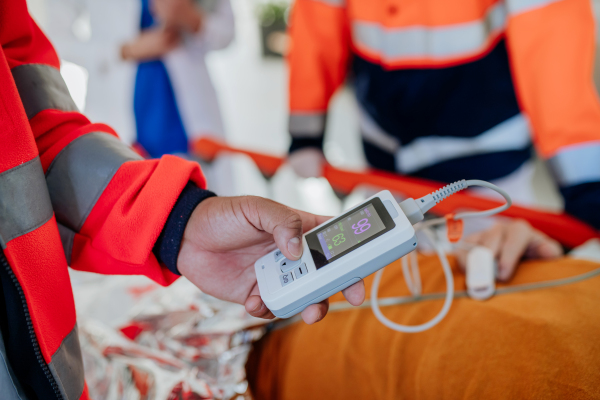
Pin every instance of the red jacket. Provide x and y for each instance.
(70, 193)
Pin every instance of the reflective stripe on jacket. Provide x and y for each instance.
(70, 193)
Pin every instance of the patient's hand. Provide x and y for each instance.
(510, 241)
(308, 162)
(226, 235)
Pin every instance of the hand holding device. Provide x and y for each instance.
(358, 243)
(226, 235)
(336, 255)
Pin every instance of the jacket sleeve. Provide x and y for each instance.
(552, 46)
(218, 28)
(110, 204)
(318, 62)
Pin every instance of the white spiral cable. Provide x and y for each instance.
(447, 302)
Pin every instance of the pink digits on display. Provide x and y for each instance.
(361, 226)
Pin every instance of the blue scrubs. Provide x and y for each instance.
(159, 126)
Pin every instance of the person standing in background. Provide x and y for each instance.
(454, 89)
(451, 89)
(174, 100)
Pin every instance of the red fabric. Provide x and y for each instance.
(38, 261)
(552, 52)
(22, 40)
(54, 129)
(121, 230)
(133, 330)
(16, 141)
(319, 54)
(118, 235)
(562, 227)
(85, 395)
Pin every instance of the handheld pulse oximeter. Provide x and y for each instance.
(336, 255)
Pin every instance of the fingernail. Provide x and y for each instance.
(294, 247)
(257, 307)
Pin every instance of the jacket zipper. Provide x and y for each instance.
(36, 346)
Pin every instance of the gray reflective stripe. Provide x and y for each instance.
(41, 87)
(577, 164)
(334, 3)
(512, 134)
(66, 237)
(521, 6)
(307, 124)
(374, 134)
(67, 367)
(80, 173)
(439, 43)
(24, 201)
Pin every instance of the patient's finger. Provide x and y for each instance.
(542, 246)
(315, 312)
(518, 236)
(355, 294)
(493, 238)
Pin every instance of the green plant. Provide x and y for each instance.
(272, 13)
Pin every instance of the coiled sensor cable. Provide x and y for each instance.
(414, 211)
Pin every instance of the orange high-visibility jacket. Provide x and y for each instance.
(62, 177)
(452, 89)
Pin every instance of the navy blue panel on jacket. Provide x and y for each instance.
(581, 201)
(461, 101)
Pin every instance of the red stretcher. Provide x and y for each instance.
(568, 230)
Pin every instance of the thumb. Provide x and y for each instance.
(285, 224)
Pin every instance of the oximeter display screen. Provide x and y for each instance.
(349, 231)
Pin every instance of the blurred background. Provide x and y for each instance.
(181, 338)
(250, 80)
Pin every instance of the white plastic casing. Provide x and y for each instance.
(317, 285)
(481, 273)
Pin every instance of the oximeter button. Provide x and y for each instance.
(288, 265)
(390, 209)
(300, 271)
(286, 279)
(277, 254)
